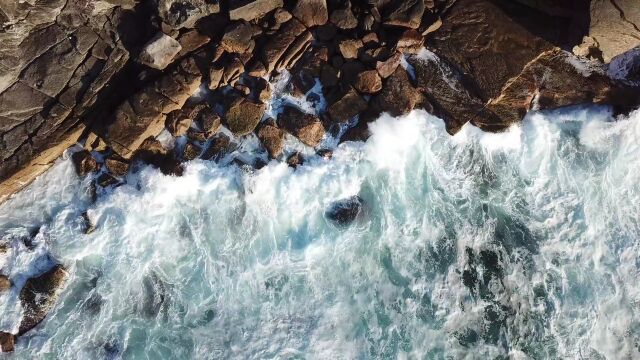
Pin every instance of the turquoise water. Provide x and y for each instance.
(517, 245)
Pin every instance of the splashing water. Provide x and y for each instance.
(524, 244)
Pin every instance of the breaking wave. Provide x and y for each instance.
(524, 244)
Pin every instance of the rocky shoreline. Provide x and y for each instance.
(109, 76)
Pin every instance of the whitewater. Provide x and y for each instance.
(521, 245)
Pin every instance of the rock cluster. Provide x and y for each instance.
(113, 74)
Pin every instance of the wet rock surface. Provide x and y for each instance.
(39, 295)
(344, 212)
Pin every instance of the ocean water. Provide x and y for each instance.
(519, 245)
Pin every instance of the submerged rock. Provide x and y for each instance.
(344, 212)
(39, 295)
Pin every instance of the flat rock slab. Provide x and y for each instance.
(251, 9)
(160, 51)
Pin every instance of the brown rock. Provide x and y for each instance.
(243, 116)
(281, 16)
(567, 80)
(615, 26)
(184, 13)
(251, 9)
(237, 37)
(368, 82)
(306, 127)
(209, 122)
(39, 295)
(387, 67)
(311, 12)
(160, 51)
(191, 151)
(349, 48)
(296, 159)
(411, 41)
(178, 121)
(7, 342)
(349, 72)
(398, 96)
(191, 41)
(84, 162)
(286, 46)
(272, 138)
(405, 13)
(5, 284)
(220, 146)
(344, 18)
(347, 106)
(117, 165)
(371, 39)
(196, 135)
(329, 76)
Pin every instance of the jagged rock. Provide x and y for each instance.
(359, 132)
(144, 114)
(294, 160)
(179, 121)
(411, 41)
(347, 106)
(7, 342)
(220, 146)
(615, 26)
(272, 138)
(196, 135)
(160, 51)
(5, 283)
(349, 48)
(84, 162)
(39, 295)
(238, 37)
(306, 127)
(191, 41)
(191, 151)
(554, 79)
(344, 18)
(251, 9)
(398, 96)
(184, 13)
(209, 122)
(117, 165)
(281, 16)
(286, 46)
(405, 13)
(243, 116)
(368, 82)
(344, 212)
(440, 83)
(153, 153)
(387, 67)
(626, 67)
(491, 46)
(588, 49)
(325, 153)
(311, 12)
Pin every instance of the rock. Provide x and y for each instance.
(588, 49)
(294, 160)
(237, 37)
(251, 9)
(117, 165)
(368, 82)
(344, 18)
(286, 46)
(160, 51)
(325, 32)
(325, 154)
(219, 147)
(196, 135)
(371, 39)
(442, 86)
(489, 45)
(329, 76)
(7, 342)
(347, 106)
(566, 80)
(344, 212)
(349, 48)
(179, 121)
(5, 284)
(144, 113)
(626, 67)
(349, 72)
(84, 162)
(153, 153)
(387, 67)
(281, 16)
(243, 116)
(191, 151)
(411, 41)
(405, 13)
(39, 295)
(106, 180)
(360, 132)
(398, 96)
(184, 13)
(311, 12)
(306, 127)
(208, 122)
(615, 26)
(191, 41)
(272, 138)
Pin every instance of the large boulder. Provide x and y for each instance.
(7, 342)
(398, 96)
(615, 26)
(554, 79)
(286, 46)
(405, 13)
(272, 138)
(84, 163)
(306, 127)
(345, 211)
(159, 52)
(39, 295)
(311, 12)
(243, 116)
(237, 37)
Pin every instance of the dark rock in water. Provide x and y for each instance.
(152, 152)
(325, 153)
(306, 127)
(626, 66)
(87, 226)
(106, 180)
(112, 349)
(154, 295)
(343, 17)
(84, 162)
(39, 295)
(272, 138)
(346, 106)
(220, 146)
(190, 152)
(5, 283)
(554, 79)
(398, 96)
(7, 342)
(116, 165)
(311, 12)
(344, 212)
(294, 160)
